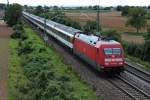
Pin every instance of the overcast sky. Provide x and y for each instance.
(81, 2)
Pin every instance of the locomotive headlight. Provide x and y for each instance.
(107, 59)
(114, 59)
(119, 59)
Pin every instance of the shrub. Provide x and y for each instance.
(25, 48)
(19, 32)
(91, 26)
(141, 51)
(112, 34)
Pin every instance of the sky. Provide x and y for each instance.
(80, 2)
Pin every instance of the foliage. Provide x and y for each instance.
(147, 36)
(133, 49)
(60, 17)
(38, 10)
(119, 8)
(112, 34)
(91, 26)
(13, 14)
(137, 18)
(18, 32)
(125, 11)
(147, 46)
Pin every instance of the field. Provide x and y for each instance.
(4, 38)
(108, 20)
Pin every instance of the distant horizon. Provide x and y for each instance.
(79, 3)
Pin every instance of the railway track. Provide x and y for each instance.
(132, 91)
(143, 75)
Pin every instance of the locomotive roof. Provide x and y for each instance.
(103, 42)
(91, 39)
(95, 40)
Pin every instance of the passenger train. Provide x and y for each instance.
(101, 54)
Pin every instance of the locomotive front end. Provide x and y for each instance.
(111, 56)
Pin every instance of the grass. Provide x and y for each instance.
(134, 33)
(16, 74)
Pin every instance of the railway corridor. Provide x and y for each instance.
(4, 39)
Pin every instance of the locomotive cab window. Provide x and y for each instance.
(117, 51)
(107, 51)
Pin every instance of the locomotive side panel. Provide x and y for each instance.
(85, 51)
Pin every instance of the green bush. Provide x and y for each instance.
(19, 32)
(18, 26)
(112, 34)
(91, 26)
(141, 51)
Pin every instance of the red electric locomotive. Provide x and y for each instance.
(102, 54)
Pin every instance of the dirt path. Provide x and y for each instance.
(4, 37)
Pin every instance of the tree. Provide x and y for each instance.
(119, 8)
(96, 7)
(38, 10)
(137, 18)
(125, 10)
(91, 26)
(13, 14)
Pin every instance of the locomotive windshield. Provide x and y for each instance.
(109, 51)
(116, 51)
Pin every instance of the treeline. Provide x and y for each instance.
(95, 7)
(126, 9)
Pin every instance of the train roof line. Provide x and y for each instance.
(56, 25)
